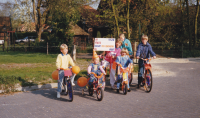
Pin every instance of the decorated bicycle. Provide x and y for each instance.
(147, 80)
(66, 83)
(96, 80)
(96, 86)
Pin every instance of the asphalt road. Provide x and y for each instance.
(175, 93)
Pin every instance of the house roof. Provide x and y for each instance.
(78, 31)
(5, 21)
(89, 14)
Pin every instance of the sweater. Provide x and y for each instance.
(63, 61)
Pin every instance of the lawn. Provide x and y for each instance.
(26, 69)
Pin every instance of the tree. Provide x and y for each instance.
(196, 23)
(188, 20)
(6, 9)
(21, 14)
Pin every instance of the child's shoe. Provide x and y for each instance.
(73, 84)
(117, 90)
(58, 94)
(129, 90)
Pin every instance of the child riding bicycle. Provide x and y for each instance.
(63, 61)
(144, 50)
(96, 68)
(125, 61)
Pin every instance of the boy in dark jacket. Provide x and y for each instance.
(144, 50)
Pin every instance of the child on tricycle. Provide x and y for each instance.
(125, 62)
(96, 77)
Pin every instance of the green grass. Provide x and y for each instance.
(27, 69)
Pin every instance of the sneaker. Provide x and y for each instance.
(73, 84)
(58, 94)
(129, 90)
(117, 90)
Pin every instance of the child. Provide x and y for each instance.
(124, 60)
(110, 58)
(63, 61)
(144, 50)
(95, 67)
(126, 44)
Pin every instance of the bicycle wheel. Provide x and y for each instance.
(148, 81)
(125, 89)
(100, 94)
(90, 90)
(70, 90)
(65, 90)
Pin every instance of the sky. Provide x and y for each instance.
(95, 6)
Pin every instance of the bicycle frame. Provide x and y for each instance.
(97, 86)
(147, 77)
(124, 76)
(97, 82)
(67, 82)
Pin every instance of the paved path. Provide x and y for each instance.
(175, 93)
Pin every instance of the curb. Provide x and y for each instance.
(35, 87)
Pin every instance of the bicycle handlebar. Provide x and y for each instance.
(146, 59)
(124, 69)
(96, 75)
(65, 69)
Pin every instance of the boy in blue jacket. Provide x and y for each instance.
(144, 50)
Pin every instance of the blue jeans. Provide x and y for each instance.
(141, 70)
(119, 79)
(60, 79)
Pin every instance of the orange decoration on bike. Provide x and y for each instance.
(82, 81)
(75, 69)
(55, 74)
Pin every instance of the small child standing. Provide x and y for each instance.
(124, 60)
(96, 68)
(63, 61)
(144, 50)
(110, 58)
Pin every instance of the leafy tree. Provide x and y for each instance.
(21, 14)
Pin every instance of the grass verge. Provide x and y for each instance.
(27, 69)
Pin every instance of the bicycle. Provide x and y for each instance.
(97, 86)
(147, 80)
(124, 82)
(67, 85)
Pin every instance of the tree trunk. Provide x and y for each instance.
(39, 23)
(195, 25)
(188, 17)
(116, 19)
(34, 13)
(128, 27)
(41, 19)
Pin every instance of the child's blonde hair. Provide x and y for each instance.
(119, 41)
(121, 35)
(124, 50)
(63, 46)
(144, 37)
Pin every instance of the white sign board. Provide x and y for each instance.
(104, 44)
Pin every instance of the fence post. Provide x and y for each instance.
(135, 48)
(73, 53)
(182, 50)
(47, 48)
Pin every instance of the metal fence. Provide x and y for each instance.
(161, 49)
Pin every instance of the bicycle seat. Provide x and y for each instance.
(67, 72)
